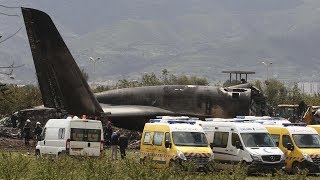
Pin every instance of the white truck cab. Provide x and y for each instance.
(245, 142)
(72, 136)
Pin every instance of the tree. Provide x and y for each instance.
(165, 76)
(294, 96)
(274, 90)
(19, 98)
(101, 88)
(150, 80)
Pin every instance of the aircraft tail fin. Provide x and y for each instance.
(61, 82)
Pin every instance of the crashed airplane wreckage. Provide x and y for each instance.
(63, 86)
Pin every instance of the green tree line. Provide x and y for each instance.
(278, 93)
(14, 97)
(151, 79)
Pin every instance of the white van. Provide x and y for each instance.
(245, 142)
(71, 136)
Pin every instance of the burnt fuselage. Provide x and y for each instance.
(199, 101)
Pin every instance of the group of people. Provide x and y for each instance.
(115, 139)
(27, 132)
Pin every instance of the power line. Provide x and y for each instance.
(11, 35)
(11, 66)
(9, 6)
(9, 14)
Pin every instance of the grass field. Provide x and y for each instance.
(19, 165)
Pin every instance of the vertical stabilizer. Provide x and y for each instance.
(60, 80)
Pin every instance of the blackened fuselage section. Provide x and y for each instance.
(200, 101)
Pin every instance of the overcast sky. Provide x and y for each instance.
(285, 32)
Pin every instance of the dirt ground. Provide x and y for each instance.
(10, 140)
(9, 144)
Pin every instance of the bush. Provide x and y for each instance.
(13, 166)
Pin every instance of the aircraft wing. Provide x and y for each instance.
(134, 110)
(133, 116)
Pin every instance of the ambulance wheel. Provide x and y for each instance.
(172, 163)
(296, 168)
(61, 154)
(142, 160)
(38, 153)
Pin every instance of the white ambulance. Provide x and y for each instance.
(72, 136)
(246, 142)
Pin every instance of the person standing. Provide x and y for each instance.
(38, 131)
(14, 119)
(108, 133)
(123, 144)
(26, 132)
(114, 145)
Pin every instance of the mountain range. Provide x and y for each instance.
(191, 37)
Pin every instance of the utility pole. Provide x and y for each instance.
(94, 60)
(267, 64)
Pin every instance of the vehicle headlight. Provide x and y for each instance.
(307, 157)
(181, 155)
(211, 157)
(282, 157)
(255, 157)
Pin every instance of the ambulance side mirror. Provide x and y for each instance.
(167, 144)
(290, 146)
(239, 145)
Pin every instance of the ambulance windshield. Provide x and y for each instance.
(257, 140)
(307, 140)
(189, 139)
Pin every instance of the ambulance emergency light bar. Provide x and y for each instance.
(294, 124)
(259, 118)
(173, 121)
(227, 120)
(177, 117)
(273, 122)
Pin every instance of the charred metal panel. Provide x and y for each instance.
(200, 101)
(60, 79)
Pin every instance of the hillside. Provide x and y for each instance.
(190, 37)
